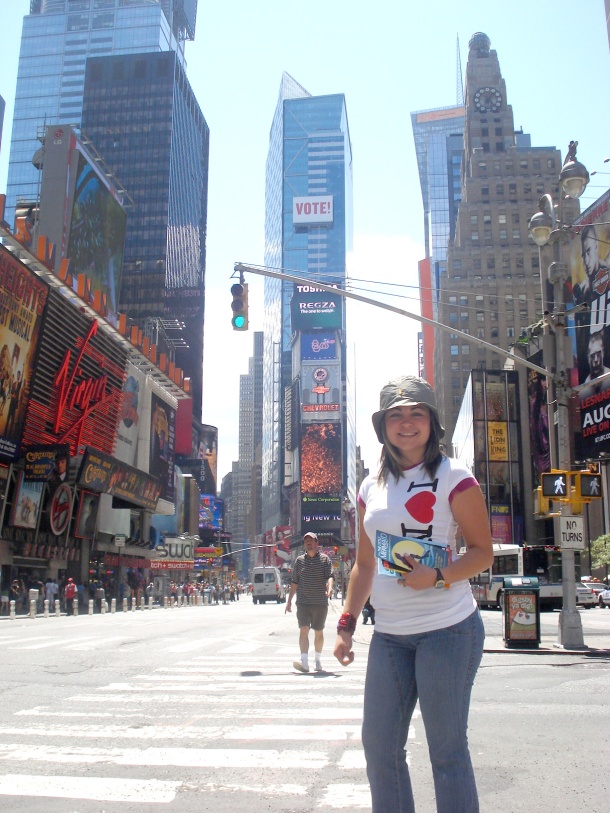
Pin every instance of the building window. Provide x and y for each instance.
(455, 350)
(498, 131)
(480, 316)
(491, 262)
(502, 234)
(502, 219)
(453, 300)
(453, 318)
(485, 191)
(487, 219)
(474, 219)
(510, 332)
(464, 301)
(474, 236)
(463, 317)
(465, 349)
(500, 189)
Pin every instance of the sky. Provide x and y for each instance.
(389, 60)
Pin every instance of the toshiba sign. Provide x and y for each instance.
(312, 211)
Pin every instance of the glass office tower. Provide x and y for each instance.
(57, 38)
(309, 159)
(142, 116)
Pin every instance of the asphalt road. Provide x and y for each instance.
(199, 709)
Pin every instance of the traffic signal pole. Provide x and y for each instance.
(570, 633)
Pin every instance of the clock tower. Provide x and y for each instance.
(489, 126)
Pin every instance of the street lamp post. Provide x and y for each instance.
(548, 226)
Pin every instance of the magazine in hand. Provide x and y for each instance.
(391, 551)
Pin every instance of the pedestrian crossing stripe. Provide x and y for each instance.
(102, 789)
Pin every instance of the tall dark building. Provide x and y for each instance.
(142, 116)
(491, 288)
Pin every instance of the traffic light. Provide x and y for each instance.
(555, 485)
(239, 306)
(336, 550)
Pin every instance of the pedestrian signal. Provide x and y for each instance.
(555, 485)
(239, 306)
(590, 485)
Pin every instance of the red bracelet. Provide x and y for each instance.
(347, 623)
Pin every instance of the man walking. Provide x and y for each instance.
(312, 581)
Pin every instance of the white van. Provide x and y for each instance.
(267, 585)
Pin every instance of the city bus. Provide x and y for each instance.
(514, 561)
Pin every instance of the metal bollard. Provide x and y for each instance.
(57, 608)
(33, 608)
(124, 605)
(165, 602)
(12, 609)
(75, 606)
(103, 606)
(150, 602)
(142, 603)
(133, 604)
(113, 606)
(90, 606)
(46, 608)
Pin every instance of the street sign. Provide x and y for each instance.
(218, 551)
(572, 533)
(119, 540)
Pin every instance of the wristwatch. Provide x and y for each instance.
(440, 581)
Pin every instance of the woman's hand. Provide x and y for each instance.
(343, 648)
(421, 577)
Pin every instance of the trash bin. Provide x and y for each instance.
(521, 609)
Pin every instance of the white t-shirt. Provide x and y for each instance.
(420, 508)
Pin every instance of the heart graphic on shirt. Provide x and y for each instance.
(421, 506)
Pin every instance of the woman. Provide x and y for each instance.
(428, 639)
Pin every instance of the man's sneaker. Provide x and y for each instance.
(319, 667)
(299, 666)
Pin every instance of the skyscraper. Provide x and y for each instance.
(116, 68)
(142, 116)
(308, 231)
(492, 286)
(57, 38)
(439, 142)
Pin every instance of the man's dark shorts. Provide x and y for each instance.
(312, 615)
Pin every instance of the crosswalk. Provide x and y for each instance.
(212, 728)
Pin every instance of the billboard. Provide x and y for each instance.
(320, 514)
(321, 346)
(589, 264)
(162, 433)
(210, 512)
(23, 298)
(314, 210)
(320, 391)
(311, 307)
(321, 468)
(132, 410)
(77, 389)
(82, 213)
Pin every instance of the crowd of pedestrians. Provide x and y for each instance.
(74, 595)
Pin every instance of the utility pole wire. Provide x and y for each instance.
(264, 271)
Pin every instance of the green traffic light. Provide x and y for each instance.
(239, 321)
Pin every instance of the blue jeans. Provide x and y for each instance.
(438, 669)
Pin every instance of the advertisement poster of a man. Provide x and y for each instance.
(22, 300)
(590, 282)
(87, 515)
(162, 434)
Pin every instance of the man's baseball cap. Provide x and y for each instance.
(311, 534)
(408, 390)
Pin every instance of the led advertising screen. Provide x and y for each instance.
(97, 233)
(590, 282)
(23, 298)
(81, 213)
(320, 346)
(210, 512)
(321, 469)
(162, 433)
(320, 514)
(320, 391)
(312, 307)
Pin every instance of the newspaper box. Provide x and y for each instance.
(521, 608)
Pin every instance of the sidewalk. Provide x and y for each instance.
(596, 635)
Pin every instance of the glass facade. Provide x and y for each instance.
(309, 156)
(439, 143)
(57, 38)
(142, 116)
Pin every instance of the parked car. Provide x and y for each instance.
(604, 598)
(596, 586)
(585, 597)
